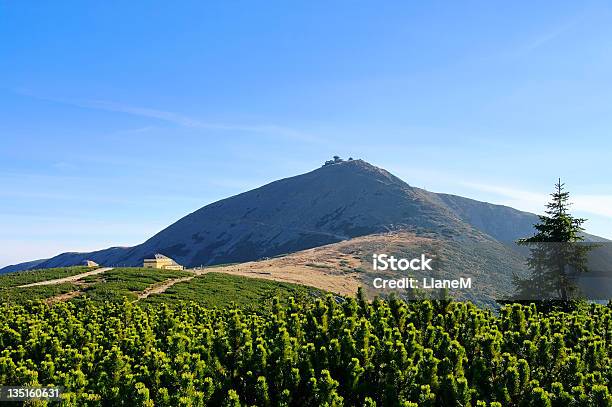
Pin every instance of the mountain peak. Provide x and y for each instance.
(352, 167)
(336, 161)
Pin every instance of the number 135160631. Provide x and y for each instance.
(25, 393)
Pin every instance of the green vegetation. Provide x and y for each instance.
(210, 289)
(40, 292)
(326, 352)
(126, 282)
(223, 290)
(36, 276)
(10, 292)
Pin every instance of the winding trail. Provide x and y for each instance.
(162, 287)
(69, 279)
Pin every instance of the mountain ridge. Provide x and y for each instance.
(332, 203)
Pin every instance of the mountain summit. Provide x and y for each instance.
(339, 201)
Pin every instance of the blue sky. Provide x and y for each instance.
(118, 118)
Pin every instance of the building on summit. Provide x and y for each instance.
(161, 262)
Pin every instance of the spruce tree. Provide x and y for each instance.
(558, 225)
(554, 257)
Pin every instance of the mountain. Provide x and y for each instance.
(28, 265)
(337, 202)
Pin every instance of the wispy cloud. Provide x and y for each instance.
(597, 204)
(547, 37)
(182, 120)
(137, 111)
(589, 203)
(543, 38)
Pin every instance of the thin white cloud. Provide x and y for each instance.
(517, 194)
(180, 119)
(547, 37)
(596, 204)
(589, 203)
(137, 111)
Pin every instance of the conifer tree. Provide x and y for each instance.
(554, 257)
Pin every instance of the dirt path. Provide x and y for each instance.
(68, 279)
(162, 287)
(62, 297)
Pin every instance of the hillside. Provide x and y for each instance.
(330, 204)
(343, 267)
(146, 286)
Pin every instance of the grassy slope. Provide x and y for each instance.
(126, 282)
(211, 289)
(20, 295)
(35, 276)
(9, 282)
(220, 290)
